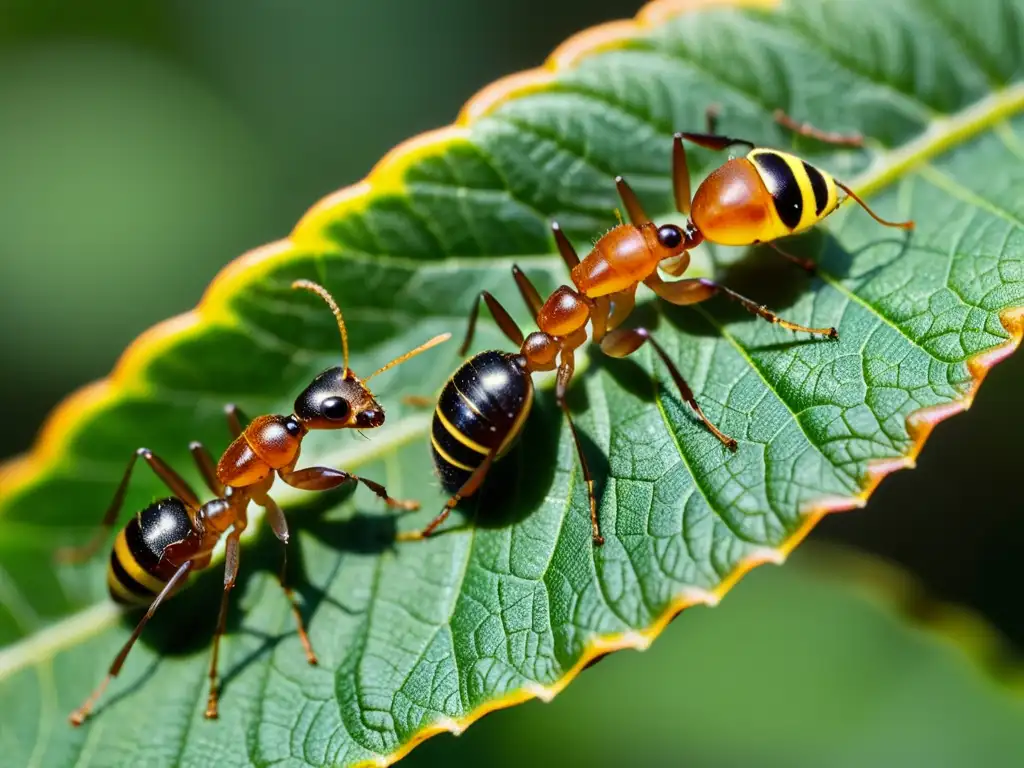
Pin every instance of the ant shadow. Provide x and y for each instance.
(837, 261)
(527, 471)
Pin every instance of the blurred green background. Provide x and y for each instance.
(144, 145)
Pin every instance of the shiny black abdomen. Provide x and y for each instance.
(482, 408)
(137, 572)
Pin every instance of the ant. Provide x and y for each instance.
(754, 199)
(175, 536)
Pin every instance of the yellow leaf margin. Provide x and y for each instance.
(387, 175)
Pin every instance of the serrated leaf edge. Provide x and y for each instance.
(387, 175)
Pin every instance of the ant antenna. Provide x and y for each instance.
(320, 291)
(872, 214)
(421, 348)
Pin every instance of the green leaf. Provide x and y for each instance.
(831, 660)
(415, 639)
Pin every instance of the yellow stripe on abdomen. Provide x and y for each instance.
(444, 455)
(451, 430)
(132, 567)
(784, 177)
(121, 593)
(517, 427)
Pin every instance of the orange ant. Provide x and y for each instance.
(175, 536)
(754, 199)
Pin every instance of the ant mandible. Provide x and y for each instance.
(758, 198)
(175, 536)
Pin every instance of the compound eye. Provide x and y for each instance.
(670, 236)
(334, 409)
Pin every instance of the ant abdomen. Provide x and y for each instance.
(481, 411)
(138, 570)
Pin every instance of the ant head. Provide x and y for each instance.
(672, 240)
(676, 243)
(337, 398)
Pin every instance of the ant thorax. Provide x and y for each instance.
(218, 515)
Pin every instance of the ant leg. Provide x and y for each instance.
(79, 715)
(806, 264)
(569, 255)
(207, 468)
(600, 313)
(84, 552)
(279, 525)
(501, 317)
(680, 169)
(808, 130)
(326, 478)
(564, 375)
(235, 418)
(713, 141)
(680, 175)
(637, 216)
(623, 303)
(696, 290)
(168, 476)
(471, 486)
(763, 312)
(527, 290)
(625, 342)
(230, 574)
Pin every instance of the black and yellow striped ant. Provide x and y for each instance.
(175, 536)
(758, 198)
